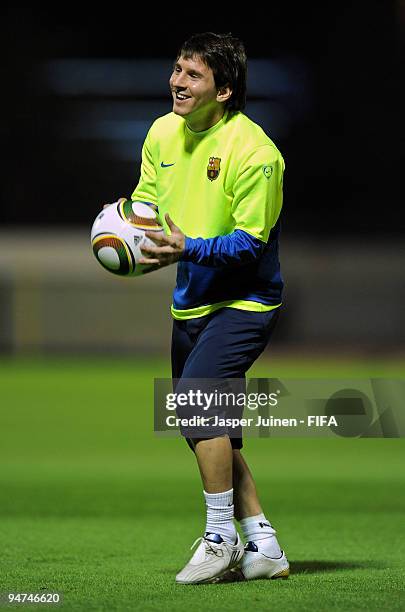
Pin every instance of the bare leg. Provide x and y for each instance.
(214, 457)
(245, 496)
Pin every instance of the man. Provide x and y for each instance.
(214, 172)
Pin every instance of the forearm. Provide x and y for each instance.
(234, 249)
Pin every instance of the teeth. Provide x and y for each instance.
(181, 97)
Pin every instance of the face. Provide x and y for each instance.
(194, 92)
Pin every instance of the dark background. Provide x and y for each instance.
(342, 141)
(81, 85)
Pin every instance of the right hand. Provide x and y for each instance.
(119, 201)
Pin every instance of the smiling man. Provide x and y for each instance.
(195, 95)
(217, 178)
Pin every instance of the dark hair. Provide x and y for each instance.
(226, 57)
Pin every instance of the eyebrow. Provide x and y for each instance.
(189, 69)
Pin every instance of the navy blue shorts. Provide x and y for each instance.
(224, 344)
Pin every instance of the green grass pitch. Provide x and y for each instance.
(94, 506)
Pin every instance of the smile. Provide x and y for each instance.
(181, 97)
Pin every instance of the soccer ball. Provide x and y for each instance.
(118, 233)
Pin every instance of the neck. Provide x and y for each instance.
(197, 124)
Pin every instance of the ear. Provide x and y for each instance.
(224, 93)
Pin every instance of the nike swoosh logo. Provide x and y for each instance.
(162, 165)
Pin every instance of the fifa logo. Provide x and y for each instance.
(213, 168)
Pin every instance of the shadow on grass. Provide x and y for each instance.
(301, 567)
(315, 567)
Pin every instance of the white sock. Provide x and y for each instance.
(258, 529)
(220, 515)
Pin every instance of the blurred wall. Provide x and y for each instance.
(324, 80)
(54, 296)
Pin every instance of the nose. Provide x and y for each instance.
(178, 80)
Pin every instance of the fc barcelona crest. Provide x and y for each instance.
(213, 168)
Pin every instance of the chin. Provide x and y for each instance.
(179, 111)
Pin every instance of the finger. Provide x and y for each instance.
(148, 260)
(173, 226)
(158, 250)
(148, 249)
(158, 238)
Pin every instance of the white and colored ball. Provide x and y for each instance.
(118, 233)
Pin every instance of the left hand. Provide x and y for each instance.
(168, 249)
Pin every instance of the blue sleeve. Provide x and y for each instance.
(233, 249)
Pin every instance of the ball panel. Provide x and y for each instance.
(109, 257)
(103, 244)
(142, 210)
(139, 215)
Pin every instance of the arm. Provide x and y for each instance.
(255, 208)
(234, 249)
